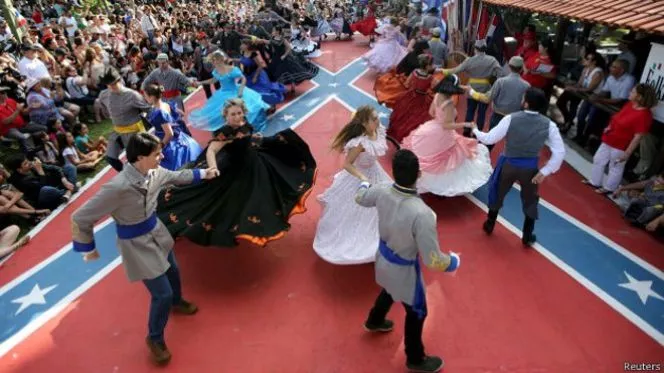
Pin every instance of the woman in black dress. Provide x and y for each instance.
(263, 182)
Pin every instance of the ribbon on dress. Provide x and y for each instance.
(494, 180)
(419, 301)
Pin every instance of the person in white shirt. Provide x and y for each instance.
(30, 66)
(526, 132)
(69, 23)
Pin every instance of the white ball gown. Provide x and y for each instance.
(347, 233)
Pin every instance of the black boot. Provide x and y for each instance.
(490, 222)
(528, 238)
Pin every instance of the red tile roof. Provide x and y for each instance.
(641, 15)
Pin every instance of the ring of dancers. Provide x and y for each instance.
(264, 181)
(526, 132)
(407, 232)
(363, 141)
(145, 245)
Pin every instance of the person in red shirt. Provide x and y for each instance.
(528, 45)
(12, 124)
(621, 137)
(539, 70)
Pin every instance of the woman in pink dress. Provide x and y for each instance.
(388, 50)
(451, 164)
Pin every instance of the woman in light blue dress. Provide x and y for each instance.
(233, 85)
(178, 148)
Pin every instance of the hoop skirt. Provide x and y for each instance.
(412, 109)
(210, 117)
(271, 92)
(182, 148)
(293, 69)
(347, 232)
(451, 164)
(387, 52)
(263, 182)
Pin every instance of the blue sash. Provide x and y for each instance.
(127, 232)
(419, 302)
(527, 163)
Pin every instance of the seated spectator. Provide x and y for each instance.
(615, 91)
(73, 156)
(9, 242)
(83, 142)
(12, 124)
(622, 137)
(645, 203)
(41, 106)
(44, 186)
(77, 87)
(46, 150)
(30, 66)
(11, 201)
(590, 81)
(67, 109)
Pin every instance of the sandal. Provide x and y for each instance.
(589, 183)
(602, 191)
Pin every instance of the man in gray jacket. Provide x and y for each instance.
(407, 228)
(145, 244)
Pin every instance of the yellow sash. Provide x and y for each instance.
(132, 128)
(479, 81)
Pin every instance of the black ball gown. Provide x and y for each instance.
(262, 183)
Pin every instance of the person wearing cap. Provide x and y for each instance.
(407, 233)
(526, 132)
(173, 81)
(438, 48)
(506, 95)
(125, 107)
(30, 66)
(433, 20)
(480, 68)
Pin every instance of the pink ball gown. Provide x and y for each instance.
(451, 164)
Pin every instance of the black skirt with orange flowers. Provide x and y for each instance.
(262, 183)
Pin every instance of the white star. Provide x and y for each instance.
(287, 117)
(642, 288)
(312, 102)
(36, 296)
(333, 85)
(382, 115)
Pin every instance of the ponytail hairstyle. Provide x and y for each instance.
(154, 90)
(355, 128)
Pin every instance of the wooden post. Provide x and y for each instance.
(559, 44)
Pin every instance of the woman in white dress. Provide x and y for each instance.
(347, 233)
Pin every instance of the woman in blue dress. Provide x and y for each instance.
(254, 67)
(233, 85)
(178, 148)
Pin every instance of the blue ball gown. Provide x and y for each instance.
(210, 117)
(272, 92)
(182, 148)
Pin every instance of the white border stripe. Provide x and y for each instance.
(41, 319)
(25, 275)
(612, 302)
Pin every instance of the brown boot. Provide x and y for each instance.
(159, 351)
(184, 308)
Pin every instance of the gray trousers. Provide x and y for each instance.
(529, 191)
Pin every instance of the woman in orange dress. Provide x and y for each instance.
(390, 87)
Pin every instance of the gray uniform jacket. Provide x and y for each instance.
(131, 198)
(408, 226)
(480, 66)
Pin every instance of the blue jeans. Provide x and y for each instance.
(50, 197)
(471, 107)
(69, 170)
(166, 291)
(586, 114)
